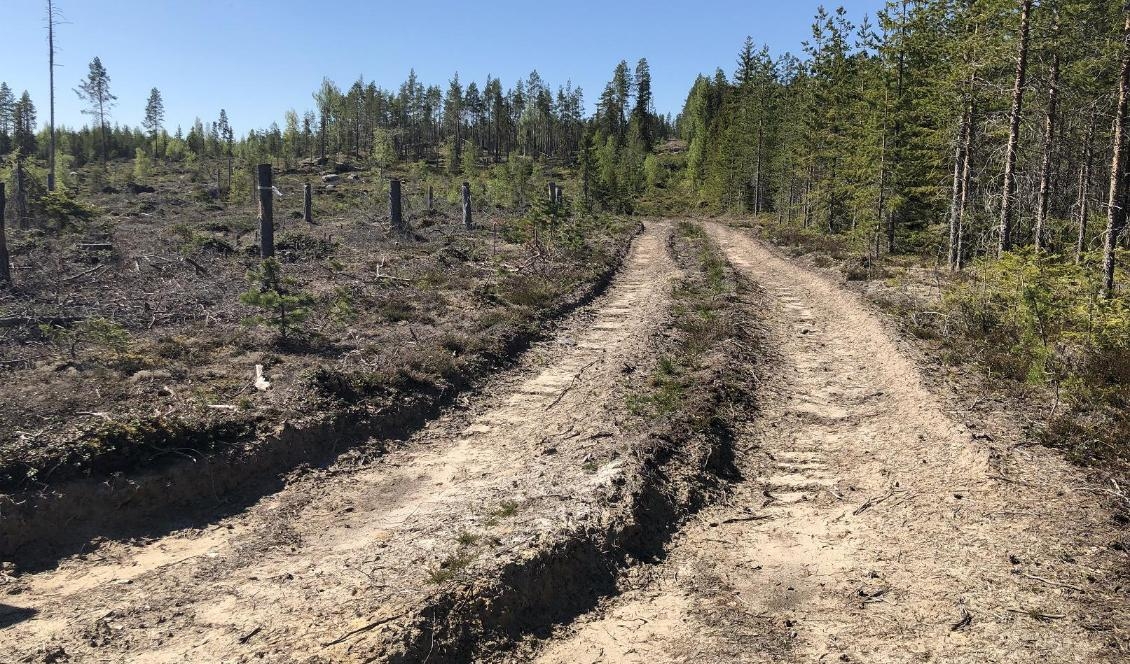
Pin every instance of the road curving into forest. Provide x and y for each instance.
(872, 525)
(868, 522)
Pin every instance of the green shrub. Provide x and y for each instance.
(284, 307)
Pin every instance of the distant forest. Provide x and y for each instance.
(947, 127)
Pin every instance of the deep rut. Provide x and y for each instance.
(333, 567)
(871, 525)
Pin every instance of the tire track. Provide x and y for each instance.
(869, 527)
(356, 551)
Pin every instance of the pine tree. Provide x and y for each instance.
(7, 117)
(95, 90)
(642, 112)
(23, 125)
(154, 120)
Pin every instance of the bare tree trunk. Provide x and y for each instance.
(1081, 210)
(5, 271)
(307, 204)
(1049, 139)
(102, 125)
(966, 170)
(266, 213)
(51, 79)
(757, 168)
(1007, 201)
(466, 193)
(430, 200)
(395, 211)
(1115, 212)
(958, 187)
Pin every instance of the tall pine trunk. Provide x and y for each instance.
(1115, 213)
(51, 84)
(1081, 210)
(1049, 140)
(966, 178)
(958, 193)
(1008, 204)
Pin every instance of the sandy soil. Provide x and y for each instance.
(873, 525)
(333, 567)
(872, 522)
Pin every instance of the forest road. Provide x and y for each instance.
(333, 567)
(871, 525)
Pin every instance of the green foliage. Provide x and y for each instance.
(342, 309)
(510, 183)
(451, 154)
(1039, 319)
(1042, 321)
(142, 166)
(60, 208)
(471, 156)
(284, 307)
(383, 153)
(99, 332)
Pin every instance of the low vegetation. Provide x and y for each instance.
(151, 332)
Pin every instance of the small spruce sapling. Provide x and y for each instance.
(284, 307)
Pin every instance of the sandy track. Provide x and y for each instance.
(872, 526)
(332, 567)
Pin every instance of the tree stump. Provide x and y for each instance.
(5, 271)
(307, 204)
(266, 213)
(395, 211)
(430, 200)
(553, 192)
(466, 191)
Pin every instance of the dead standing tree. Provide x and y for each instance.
(307, 204)
(1008, 195)
(1115, 212)
(466, 193)
(266, 213)
(395, 210)
(5, 271)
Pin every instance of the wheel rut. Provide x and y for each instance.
(869, 526)
(334, 566)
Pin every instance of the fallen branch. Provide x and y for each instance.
(359, 630)
(197, 266)
(872, 502)
(739, 519)
(84, 273)
(105, 416)
(1037, 614)
(571, 384)
(1051, 583)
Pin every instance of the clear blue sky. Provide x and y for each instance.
(258, 59)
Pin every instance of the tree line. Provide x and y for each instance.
(1000, 122)
(414, 122)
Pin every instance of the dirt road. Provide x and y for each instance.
(872, 525)
(333, 567)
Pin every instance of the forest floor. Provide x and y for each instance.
(826, 501)
(125, 347)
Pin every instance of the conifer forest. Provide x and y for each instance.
(828, 362)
